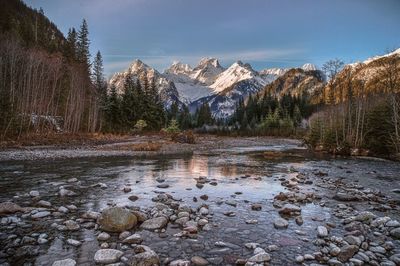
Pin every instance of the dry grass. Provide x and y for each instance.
(56, 139)
(149, 146)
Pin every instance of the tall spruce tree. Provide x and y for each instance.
(70, 50)
(98, 75)
(83, 53)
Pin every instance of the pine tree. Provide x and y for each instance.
(113, 111)
(70, 50)
(83, 54)
(97, 74)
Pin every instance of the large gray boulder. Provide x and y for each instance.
(116, 219)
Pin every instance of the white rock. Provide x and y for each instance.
(106, 256)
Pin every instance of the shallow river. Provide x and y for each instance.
(228, 168)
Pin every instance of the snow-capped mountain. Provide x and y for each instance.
(208, 82)
(309, 67)
(166, 88)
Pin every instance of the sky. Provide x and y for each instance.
(264, 33)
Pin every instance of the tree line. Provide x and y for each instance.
(359, 116)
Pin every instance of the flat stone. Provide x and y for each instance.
(43, 203)
(289, 209)
(163, 185)
(40, 214)
(73, 242)
(280, 223)
(34, 193)
(133, 239)
(260, 258)
(144, 256)
(154, 223)
(347, 252)
(71, 225)
(10, 207)
(66, 262)
(199, 261)
(106, 256)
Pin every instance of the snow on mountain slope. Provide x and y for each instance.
(309, 67)
(206, 71)
(235, 73)
(166, 89)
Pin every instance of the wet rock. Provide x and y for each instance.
(204, 197)
(353, 240)
(256, 207)
(124, 235)
(322, 231)
(34, 193)
(43, 203)
(40, 214)
(145, 257)
(203, 211)
(127, 189)
(154, 223)
(199, 261)
(334, 262)
(260, 258)
(133, 239)
(395, 258)
(91, 215)
(179, 263)
(141, 216)
(163, 185)
(62, 209)
(280, 223)
(133, 198)
(231, 203)
(106, 256)
(71, 225)
(347, 252)
(299, 259)
(65, 192)
(342, 196)
(66, 262)
(103, 236)
(10, 207)
(27, 251)
(73, 242)
(395, 233)
(289, 209)
(116, 219)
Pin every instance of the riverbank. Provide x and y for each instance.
(133, 146)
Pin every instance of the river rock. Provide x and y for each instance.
(289, 209)
(116, 219)
(260, 258)
(322, 231)
(73, 242)
(71, 225)
(41, 214)
(10, 207)
(144, 256)
(280, 223)
(395, 233)
(199, 261)
(106, 256)
(179, 262)
(63, 192)
(34, 193)
(103, 236)
(342, 196)
(347, 252)
(353, 240)
(256, 207)
(43, 203)
(133, 198)
(133, 239)
(66, 262)
(154, 223)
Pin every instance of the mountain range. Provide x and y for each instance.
(208, 82)
(222, 88)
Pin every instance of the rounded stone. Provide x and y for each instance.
(116, 219)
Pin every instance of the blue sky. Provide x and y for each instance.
(264, 33)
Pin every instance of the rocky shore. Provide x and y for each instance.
(360, 227)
